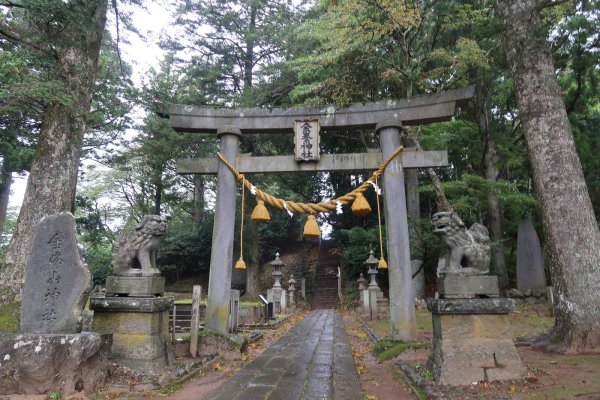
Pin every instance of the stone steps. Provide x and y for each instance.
(326, 281)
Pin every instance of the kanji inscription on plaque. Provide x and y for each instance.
(307, 140)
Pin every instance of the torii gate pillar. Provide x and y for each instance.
(221, 256)
(402, 310)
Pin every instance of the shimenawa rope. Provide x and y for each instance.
(310, 208)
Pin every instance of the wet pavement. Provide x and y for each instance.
(312, 361)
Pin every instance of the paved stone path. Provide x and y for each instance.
(312, 361)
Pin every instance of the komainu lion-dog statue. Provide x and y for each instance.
(467, 250)
(135, 255)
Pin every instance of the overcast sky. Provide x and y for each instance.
(141, 54)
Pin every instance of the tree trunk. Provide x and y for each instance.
(494, 218)
(198, 206)
(158, 189)
(251, 238)
(442, 202)
(53, 176)
(5, 184)
(572, 234)
(249, 55)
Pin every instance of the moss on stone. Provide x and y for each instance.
(9, 317)
(387, 349)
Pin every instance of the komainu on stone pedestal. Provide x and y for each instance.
(468, 250)
(135, 255)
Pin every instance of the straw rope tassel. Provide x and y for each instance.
(260, 212)
(361, 206)
(311, 228)
(241, 264)
(382, 263)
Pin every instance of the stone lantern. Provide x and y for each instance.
(373, 294)
(292, 289)
(362, 282)
(278, 294)
(371, 263)
(277, 264)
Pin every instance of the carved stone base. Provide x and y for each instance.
(140, 328)
(453, 286)
(141, 286)
(472, 341)
(38, 364)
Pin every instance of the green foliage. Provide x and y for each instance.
(9, 317)
(469, 195)
(186, 247)
(99, 260)
(94, 235)
(231, 46)
(350, 294)
(170, 388)
(424, 372)
(357, 242)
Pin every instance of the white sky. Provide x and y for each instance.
(140, 54)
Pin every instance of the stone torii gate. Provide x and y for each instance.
(387, 118)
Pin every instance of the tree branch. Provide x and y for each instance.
(16, 39)
(541, 4)
(10, 4)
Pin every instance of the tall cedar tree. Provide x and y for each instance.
(70, 33)
(572, 234)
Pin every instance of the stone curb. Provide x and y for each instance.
(372, 335)
(181, 375)
(471, 306)
(410, 376)
(266, 326)
(176, 376)
(131, 304)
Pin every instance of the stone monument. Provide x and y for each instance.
(133, 308)
(51, 354)
(530, 261)
(472, 341)
(57, 281)
(291, 290)
(374, 303)
(276, 295)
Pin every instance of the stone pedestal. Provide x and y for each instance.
(374, 295)
(374, 304)
(140, 328)
(283, 302)
(460, 287)
(135, 286)
(472, 341)
(419, 280)
(234, 311)
(35, 364)
(277, 297)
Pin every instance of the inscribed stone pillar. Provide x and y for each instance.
(221, 257)
(402, 311)
(57, 281)
(530, 261)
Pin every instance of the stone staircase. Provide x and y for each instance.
(326, 281)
